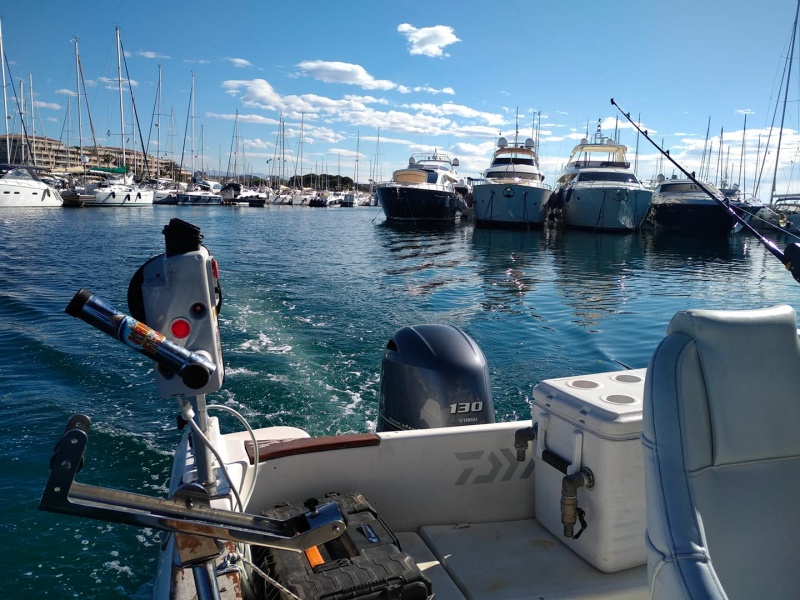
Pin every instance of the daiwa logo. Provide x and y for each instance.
(486, 467)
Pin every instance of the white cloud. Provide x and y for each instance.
(257, 143)
(113, 84)
(255, 93)
(150, 54)
(255, 119)
(347, 73)
(66, 92)
(239, 63)
(50, 105)
(450, 108)
(428, 41)
(448, 90)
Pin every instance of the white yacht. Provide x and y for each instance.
(598, 190)
(20, 186)
(119, 190)
(512, 193)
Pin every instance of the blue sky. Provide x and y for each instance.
(421, 76)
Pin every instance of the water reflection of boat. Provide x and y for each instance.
(593, 269)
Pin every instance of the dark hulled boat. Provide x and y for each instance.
(428, 190)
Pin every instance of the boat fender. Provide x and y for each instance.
(138, 195)
(127, 197)
(555, 199)
(113, 194)
(46, 193)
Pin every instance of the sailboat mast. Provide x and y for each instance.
(78, 90)
(191, 110)
(5, 98)
(302, 127)
(22, 115)
(121, 107)
(742, 170)
(785, 95)
(158, 127)
(33, 120)
(358, 152)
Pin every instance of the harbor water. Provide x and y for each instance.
(310, 298)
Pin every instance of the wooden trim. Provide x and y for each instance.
(270, 449)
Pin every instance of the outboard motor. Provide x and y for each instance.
(433, 376)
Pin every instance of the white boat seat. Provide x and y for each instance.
(722, 456)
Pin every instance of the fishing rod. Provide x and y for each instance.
(790, 257)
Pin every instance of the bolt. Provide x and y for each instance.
(66, 465)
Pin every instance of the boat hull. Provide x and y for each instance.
(22, 194)
(190, 199)
(407, 204)
(510, 206)
(608, 208)
(121, 196)
(695, 218)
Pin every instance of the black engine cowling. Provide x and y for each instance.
(433, 376)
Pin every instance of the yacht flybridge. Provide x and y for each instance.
(643, 483)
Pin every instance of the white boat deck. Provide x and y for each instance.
(473, 517)
(512, 560)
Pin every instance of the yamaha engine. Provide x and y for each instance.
(433, 376)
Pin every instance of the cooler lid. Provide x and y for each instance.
(607, 404)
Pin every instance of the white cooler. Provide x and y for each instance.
(594, 422)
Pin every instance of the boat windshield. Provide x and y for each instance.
(607, 176)
(512, 173)
(8, 172)
(514, 160)
(686, 186)
(433, 176)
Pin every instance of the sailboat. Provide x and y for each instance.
(118, 188)
(234, 191)
(784, 209)
(20, 185)
(200, 192)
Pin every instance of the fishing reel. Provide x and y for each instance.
(178, 294)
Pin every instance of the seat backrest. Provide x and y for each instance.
(721, 440)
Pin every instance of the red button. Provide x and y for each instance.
(180, 328)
